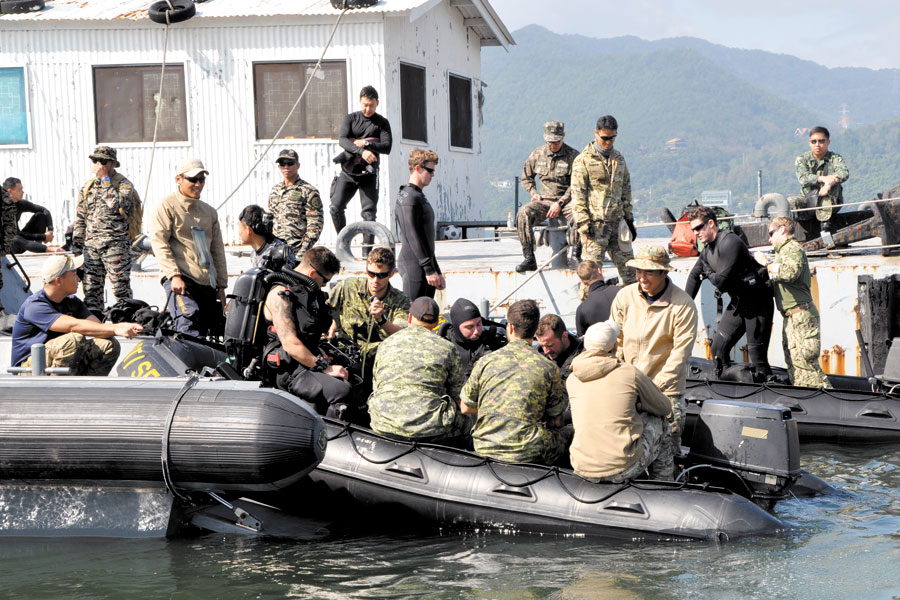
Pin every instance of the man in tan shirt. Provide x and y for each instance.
(187, 242)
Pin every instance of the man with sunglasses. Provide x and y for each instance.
(415, 219)
(364, 135)
(601, 199)
(822, 174)
(552, 163)
(296, 206)
(300, 316)
(791, 280)
(103, 216)
(728, 265)
(194, 301)
(369, 309)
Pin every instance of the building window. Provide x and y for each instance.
(126, 102)
(13, 107)
(412, 102)
(319, 115)
(460, 112)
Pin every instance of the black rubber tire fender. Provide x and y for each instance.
(383, 237)
(183, 10)
(21, 6)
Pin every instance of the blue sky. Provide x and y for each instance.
(861, 33)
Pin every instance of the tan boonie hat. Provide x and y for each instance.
(651, 258)
(104, 153)
(190, 167)
(59, 265)
(554, 131)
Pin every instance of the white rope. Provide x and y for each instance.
(290, 114)
(527, 279)
(159, 99)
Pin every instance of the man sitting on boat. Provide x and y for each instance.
(596, 307)
(418, 377)
(72, 336)
(255, 229)
(555, 342)
(470, 337)
(300, 316)
(619, 415)
(518, 397)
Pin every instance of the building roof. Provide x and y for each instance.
(477, 14)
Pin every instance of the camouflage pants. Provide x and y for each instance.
(827, 205)
(82, 355)
(556, 443)
(656, 454)
(113, 260)
(535, 212)
(800, 340)
(676, 421)
(596, 244)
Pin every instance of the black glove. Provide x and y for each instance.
(630, 223)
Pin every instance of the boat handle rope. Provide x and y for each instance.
(750, 493)
(167, 475)
(828, 392)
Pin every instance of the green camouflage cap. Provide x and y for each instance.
(104, 153)
(554, 131)
(651, 258)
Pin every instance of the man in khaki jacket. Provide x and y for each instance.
(659, 327)
(194, 277)
(618, 414)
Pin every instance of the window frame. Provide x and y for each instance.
(29, 132)
(144, 144)
(254, 97)
(424, 69)
(471, 80)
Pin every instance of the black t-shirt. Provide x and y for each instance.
(596, 307)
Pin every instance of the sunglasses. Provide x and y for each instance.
(197, 179)
(102, 161)
(322, 275)
(429, 169)
(375, 275)
(819, 141)
(699, 227)
(772, 231)
(286, 163)
(608, 138)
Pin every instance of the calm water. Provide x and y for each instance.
(839, 548)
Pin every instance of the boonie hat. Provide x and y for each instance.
(190, 167)
(601, 336)
(425, 309)
(104, 153)
(651, 258)
(288, 154)
(554, 131)
(59, 265)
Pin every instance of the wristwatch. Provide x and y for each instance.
(383, 320)
(561, 203)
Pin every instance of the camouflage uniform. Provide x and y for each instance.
(800, 333)
(83, 356)
(515, 390)
(601, 198)
(101, 233)
(418, 377)
(555, 172)
(298, 213)
(8, 227)
(349, 301)
(808, 169)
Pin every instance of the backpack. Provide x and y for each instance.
(135, 219)
(684, 240)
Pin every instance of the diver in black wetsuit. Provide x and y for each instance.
(471, 338)
(417, 263)
(727, 263)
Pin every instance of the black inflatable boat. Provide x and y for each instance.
(742, 456)
(852, 413)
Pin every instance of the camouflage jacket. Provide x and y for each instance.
(349, 301)
(98, 218)
(554, 170)
(8, 222)
(792, 279)
(601, 187)
(417, 380)
(298, 213)
(809, 168)
(514, 390)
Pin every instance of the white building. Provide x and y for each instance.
(85, 72)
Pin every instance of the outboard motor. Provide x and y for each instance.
(751, 449)
(245, 327)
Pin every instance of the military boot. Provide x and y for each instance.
(529, 264)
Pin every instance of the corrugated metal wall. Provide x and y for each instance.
(218, 71)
